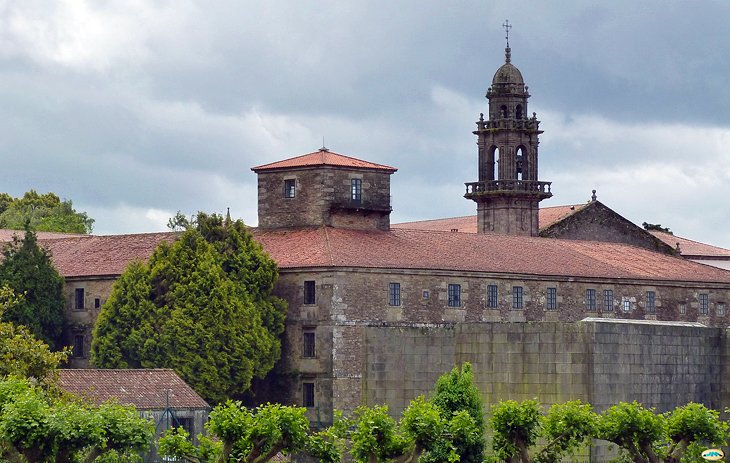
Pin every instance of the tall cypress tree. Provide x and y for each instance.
(27, 269)
(202, 306)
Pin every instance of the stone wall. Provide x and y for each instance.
(80, 321)
(323, 197)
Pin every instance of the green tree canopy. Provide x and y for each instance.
(42, 212)
(21, 354)
(202, 306)
(27, 269)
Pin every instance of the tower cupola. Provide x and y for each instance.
(508, 191)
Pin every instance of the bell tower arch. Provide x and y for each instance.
(508, 192)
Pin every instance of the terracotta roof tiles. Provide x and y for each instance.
(418, 249)
(689, 248)
(145, 389)
(323, 157)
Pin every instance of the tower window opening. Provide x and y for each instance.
(518, 111)
(503, 111)
(495, 175)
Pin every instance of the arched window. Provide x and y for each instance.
(503, 110)
(495, 156)
(521, 163)
(518, 112)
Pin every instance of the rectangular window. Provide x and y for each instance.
(309, 293)
(308, 344)
(650, 301)
(517, 302)
(356, 190)
(721, 309)
(552, 298)
(492, 296)
(627, 305)
(704, 304)
(454, 295)
(97, 302)
(591, 300)
(187, 424)
(79, 299)
(78, 347)
(683, 308)
(394, 294)
(290, 188)
(425, 294)
(308, 395)
(608, 300)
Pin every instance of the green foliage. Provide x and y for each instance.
(455, 392)
(42, 212)
(566, 428)
(516, 428)
(202, 306)
(376, 437)
(253, 436)
(21, 354)
(28, 270)
(38, 426)
(639, 431)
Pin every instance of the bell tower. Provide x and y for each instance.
(508, 192)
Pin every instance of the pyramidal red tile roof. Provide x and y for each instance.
(468, 223)
(493, 253)
(102, 255)
(148, 389)
(689, 248)
(323, 157)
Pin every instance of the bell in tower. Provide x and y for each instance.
(508, 192)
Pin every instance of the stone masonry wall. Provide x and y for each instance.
(80, 322)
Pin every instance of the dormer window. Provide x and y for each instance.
(290, 188)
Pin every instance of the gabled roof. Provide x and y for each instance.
(102, 255)
(323, 157)
(692, 249)
(150, 389)
(492, 253)
(468, 223)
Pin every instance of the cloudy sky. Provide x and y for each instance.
(135, 109)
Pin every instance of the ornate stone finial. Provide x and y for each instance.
(481, 117)
(679, 251)
(507, 51)
(593, 196)
(228, 217)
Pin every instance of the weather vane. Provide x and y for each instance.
(507, 26)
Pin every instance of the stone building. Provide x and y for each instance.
(562, 302)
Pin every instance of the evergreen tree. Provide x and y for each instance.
(27, 269)
(202, 306)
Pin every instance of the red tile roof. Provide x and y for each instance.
(689, 248)
(468, 223)
(494, 253)
(323, 157)
(102, 255)
(7, 235)
(145, 389)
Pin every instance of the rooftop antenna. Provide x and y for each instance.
(507, 51)
(323, 148)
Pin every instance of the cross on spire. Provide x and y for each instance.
(507, 26)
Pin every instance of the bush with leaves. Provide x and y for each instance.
(42, 212)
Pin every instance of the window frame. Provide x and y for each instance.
(290, 188)
(651, 301)
(394, 294)
(551, 298)
(704, 304)
(356, 190)
(608, 300)
(308, 394)
(518, 297)
(590, 302)
(79, 299)
(626, 305)
(682, 308)
(454, 295)
(492, 296)
(309, 344)
(77, 350)
(721, 310)
(310, 292)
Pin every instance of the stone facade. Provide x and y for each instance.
(323, 195)
(350, 303)
(84, 298)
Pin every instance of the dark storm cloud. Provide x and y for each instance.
(137, 109)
